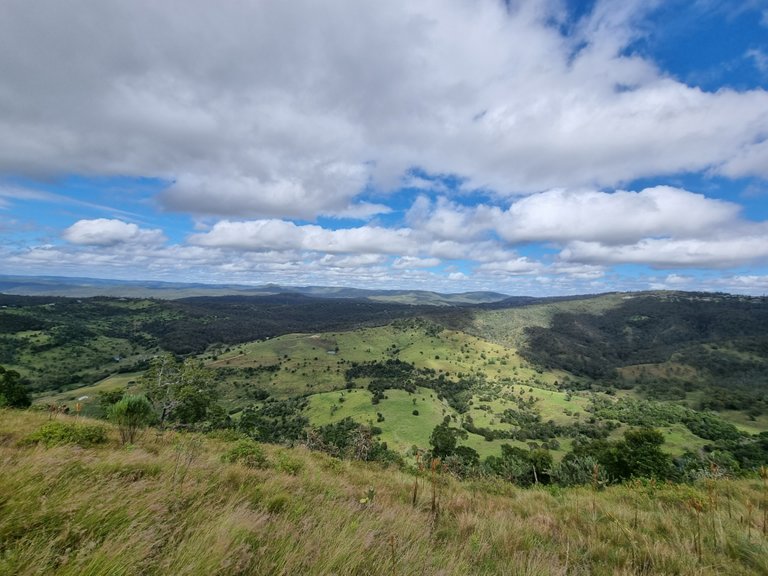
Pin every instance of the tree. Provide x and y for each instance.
(181, 392)
(13, 392)
(131, 414)
(444, 439)
(575, 469)
(640, 455)
(108, 398)
(541, 465)
(464, 461)
(512, 466)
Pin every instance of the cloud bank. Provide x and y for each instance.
(358, 141)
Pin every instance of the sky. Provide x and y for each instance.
(530, 147)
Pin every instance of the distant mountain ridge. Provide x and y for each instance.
(76, 287)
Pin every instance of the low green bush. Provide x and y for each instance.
(57, 433)
(289, 464)
(246, 452)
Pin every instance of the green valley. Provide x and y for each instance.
(532, 374)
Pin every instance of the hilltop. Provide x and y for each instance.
(170, 504)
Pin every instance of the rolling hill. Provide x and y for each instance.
(607, 434)
(92, 287)
(531, 373)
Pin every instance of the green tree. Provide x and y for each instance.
(464, 462)
(180, 392)
(109, 398)
(541, 465)
(13, 392)
(512, 466)
(574, 470)
(131, 414)
(444, 439)
(638, 455)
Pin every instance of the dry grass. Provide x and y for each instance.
(111, 510)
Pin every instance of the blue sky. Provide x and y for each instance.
(550, 147)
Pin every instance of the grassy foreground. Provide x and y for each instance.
(169, 505)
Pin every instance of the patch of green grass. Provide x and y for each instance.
(507, 326)
(743, 422)
(114, 382)
(400, 428)
(678, 439)
(314, 363)
(487, 448)
(88, 396)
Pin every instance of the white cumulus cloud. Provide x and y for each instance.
(723, 252)
(408, 262)
(560, 215)
(109, 232)
(285, 235)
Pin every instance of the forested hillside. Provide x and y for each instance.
(669, 345)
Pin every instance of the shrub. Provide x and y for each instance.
(246, 452)
(131, 414)
(289, 464)
(575, 470)
(57, 433)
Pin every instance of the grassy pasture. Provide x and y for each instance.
(401, 429)
(507, 326)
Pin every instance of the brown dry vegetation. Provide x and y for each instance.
(168, 505)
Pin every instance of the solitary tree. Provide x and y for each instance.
(640, 455)
(444, 439)
(13, 392)
(131, 414)
(183, 392)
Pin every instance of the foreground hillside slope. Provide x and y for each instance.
(169, 505)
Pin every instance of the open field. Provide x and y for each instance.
(401, 429)
(72, 351)
(88, 396)
(314, 365)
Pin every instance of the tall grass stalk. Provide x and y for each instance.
(764, 499)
